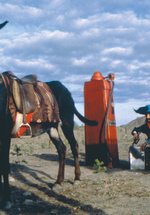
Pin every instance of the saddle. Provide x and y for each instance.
(28, 95)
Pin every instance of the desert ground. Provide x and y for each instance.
(34, 165)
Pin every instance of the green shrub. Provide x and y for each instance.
(99, 166)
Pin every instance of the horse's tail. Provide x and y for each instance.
(84, 119)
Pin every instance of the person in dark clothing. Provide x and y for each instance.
(145, 128)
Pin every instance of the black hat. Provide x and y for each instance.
(143, 110)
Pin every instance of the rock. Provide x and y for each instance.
(56, 187)
(12, 179)
(77, 182)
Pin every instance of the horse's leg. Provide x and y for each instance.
(5, 201)
(5, 169)
(6, 187)
(69, 134)
(1, 188)
(61, 149)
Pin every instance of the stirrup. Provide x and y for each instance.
(25, 130)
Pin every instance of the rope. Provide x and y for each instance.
(106, 116)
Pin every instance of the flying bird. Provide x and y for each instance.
(3, 24)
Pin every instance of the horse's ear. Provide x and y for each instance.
(3, 24)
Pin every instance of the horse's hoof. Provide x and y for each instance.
(77, 177)
(77, 182)
(59, 181)
(56, 187)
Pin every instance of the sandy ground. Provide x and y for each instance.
(33, 173)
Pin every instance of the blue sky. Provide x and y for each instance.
(69, 40)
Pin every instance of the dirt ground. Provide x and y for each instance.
(34, 165)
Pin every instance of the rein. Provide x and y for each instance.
(104, 122)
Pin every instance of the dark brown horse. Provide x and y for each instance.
(66, 110)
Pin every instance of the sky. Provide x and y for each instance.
(69, 40)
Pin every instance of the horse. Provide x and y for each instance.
(67, 110)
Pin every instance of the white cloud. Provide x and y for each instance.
(56, 3)
(36, 63)
(60, 18)
(81, 61)
(132, 81)
(76, 78)
(91, 32)
(120, 21)
(86, 22)
(118, 51)
(39, 37)
(20, 11)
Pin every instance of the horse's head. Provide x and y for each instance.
(3, 96)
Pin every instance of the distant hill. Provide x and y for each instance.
(124, 131)
(134, 123)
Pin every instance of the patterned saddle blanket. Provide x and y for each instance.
(28, 95)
